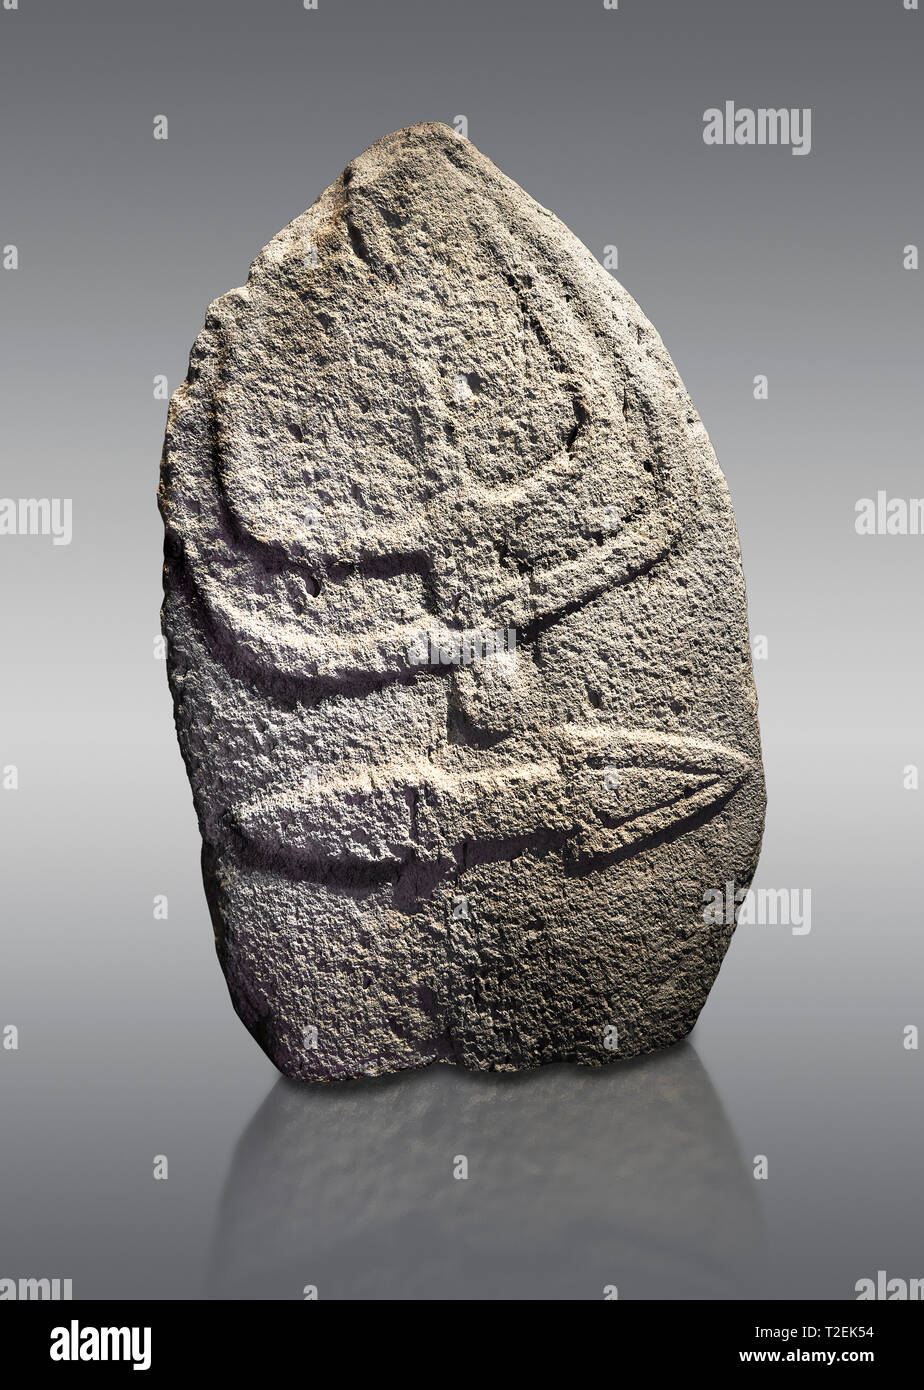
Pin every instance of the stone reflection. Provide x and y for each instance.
(577, 1179)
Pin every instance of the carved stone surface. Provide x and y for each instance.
(457, 638)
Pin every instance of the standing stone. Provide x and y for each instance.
(458, 641)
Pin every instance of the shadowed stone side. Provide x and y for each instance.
(457, 637)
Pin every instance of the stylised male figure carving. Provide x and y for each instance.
(457, 638)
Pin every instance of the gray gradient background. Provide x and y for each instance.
(747, 261)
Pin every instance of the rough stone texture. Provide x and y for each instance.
(431, 414)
